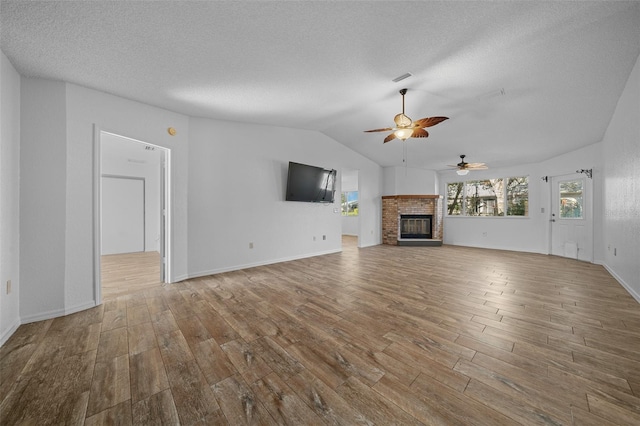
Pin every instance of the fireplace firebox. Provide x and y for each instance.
(415, 226)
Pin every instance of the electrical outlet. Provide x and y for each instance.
(615, 251)
(314, 238)
(250, 245)
(8, 286)
(324, 237)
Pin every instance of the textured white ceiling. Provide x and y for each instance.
(328, 66)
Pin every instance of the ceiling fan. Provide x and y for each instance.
(464, 167)
(406, 128)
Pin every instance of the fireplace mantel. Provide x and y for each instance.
(393, 206)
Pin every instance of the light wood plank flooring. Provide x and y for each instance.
(128, 273)
(380, 335)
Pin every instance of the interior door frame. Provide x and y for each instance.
(165, 197)
(165, 210)
(588, 208)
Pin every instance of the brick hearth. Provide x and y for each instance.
(395, 205)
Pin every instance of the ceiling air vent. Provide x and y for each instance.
(402, 77)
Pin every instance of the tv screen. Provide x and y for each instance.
(310, 183)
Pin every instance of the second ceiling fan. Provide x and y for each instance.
(463, 167)
(406, 128)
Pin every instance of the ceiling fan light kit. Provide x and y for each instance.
(407, 128)
(462, 172)
(403, 134)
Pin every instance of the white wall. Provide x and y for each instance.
(227, 184)
(370, 182)
(229, 191)
(56, 189)
(589, 157)
(237, 196)
(9, 198)
(122, 215)
(507, 233)
(621, 222)
(532, 233)
(130, 119)
(123, 157)
(410, 181)
(43, 194)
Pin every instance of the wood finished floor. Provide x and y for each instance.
(381, 335)
(129, 273)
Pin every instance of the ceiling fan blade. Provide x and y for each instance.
(429, 121)
(476, 165)
(391, 137)
(420, 133)
(386, 129)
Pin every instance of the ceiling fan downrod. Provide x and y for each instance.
(403, 92)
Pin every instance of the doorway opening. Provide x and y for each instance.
(132, 207)
(350, 204)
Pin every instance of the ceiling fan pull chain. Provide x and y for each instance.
(404, 155)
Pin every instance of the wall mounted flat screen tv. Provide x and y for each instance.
(310, 183)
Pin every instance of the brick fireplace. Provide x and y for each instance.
(414, 211)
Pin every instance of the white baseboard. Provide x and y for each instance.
(41, 316)
(255, 264)
(80, 307)
(626, 286)
(519, 250)
(9, 331)
(179, 278)
(369, 245)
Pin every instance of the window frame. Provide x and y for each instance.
(462, 200)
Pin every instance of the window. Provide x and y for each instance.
(350, 203)
(488, 197)
(454, 198)
(484, 197)
(518, 196)
(571, 199)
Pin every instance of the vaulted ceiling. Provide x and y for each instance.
(520, 81)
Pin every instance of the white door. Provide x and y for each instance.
(122, 215)
(572, 217)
